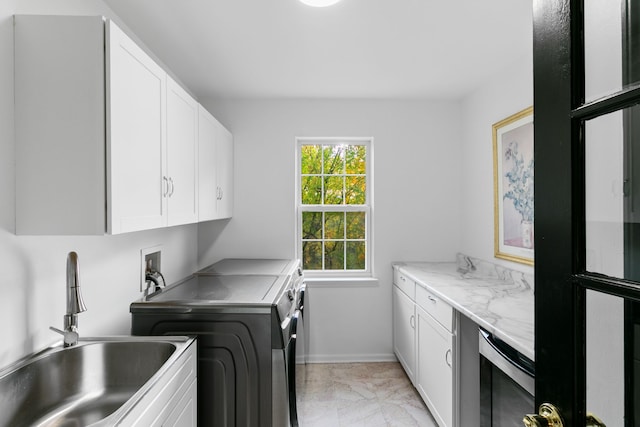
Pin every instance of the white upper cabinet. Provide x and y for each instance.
(215, 168)
(224, 166)
(182, 155)
(208, 179)
(105, 140)
(136, 136)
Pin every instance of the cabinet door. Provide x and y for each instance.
(182, 156)
(435, 367)
(136, 136)
(207, 169)
(215, 168)
(185, 413)
(225, 172)
(404, 331)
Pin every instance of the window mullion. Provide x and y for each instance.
(334, 208)
(322, 189)
(344, 240)
(323, 237)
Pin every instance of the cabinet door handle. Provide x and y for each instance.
(412, 321)
(432, 299)
(403, 279)
(172, 187)
(221, 193)
(446, 357)
(165, 186)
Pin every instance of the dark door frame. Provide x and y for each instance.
(561, 278)
(555, 208)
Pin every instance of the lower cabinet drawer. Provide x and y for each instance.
(407, 285)
(432, 304)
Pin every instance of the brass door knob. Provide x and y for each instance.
(547, 416)
(593, 421)
(534, 420)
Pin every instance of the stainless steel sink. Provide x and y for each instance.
(84, 384)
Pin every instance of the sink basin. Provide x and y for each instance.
(84, 384)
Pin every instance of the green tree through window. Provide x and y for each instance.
(333, 204)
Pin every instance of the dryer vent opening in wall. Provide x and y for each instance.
(150, 261)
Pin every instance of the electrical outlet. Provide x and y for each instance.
(149, 257)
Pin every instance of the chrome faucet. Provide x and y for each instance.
(75, 304)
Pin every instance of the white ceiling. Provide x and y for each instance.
(355, 49)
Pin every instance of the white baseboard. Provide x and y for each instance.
(351, 358)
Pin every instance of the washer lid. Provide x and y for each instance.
(223, 290)
(251, 266)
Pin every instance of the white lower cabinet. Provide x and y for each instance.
(435, 370)
(172, 401)
(184, 413)
(425, 341)
(404, 337)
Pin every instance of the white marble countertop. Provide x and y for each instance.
(498, 299)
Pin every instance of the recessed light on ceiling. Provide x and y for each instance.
(319, 3)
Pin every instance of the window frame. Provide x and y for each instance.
(367, 207)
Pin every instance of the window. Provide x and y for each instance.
(334, 205)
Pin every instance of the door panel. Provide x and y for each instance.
(403, 331)
(604, 183)
(603, 48)
(224, 165)
(136, 136)
(207, 169)
(434, 371)
(182, 155)
(605, 357)
(586, 258)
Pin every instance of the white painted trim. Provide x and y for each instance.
(369, 236)
(351, 358)
(340, 282)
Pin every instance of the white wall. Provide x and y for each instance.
(505, 94)
(417, 203)
(32, 268)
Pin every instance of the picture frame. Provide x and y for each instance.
(513, 169)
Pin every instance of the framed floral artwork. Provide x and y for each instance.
(513, 187)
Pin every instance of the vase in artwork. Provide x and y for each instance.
(527, 234)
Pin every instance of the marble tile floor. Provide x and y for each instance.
(359, 394)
